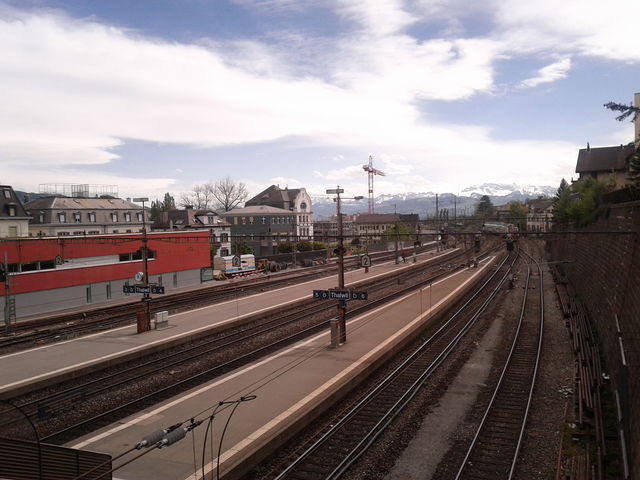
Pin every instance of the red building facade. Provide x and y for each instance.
(48, 274)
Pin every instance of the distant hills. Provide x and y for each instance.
(424, 204)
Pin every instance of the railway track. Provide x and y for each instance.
(63, 327)
(351, 434)
(493, 452)
(194, 364)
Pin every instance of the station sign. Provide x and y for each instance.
(365, 261)
(339, 295)
(155, 289)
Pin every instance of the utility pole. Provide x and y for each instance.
(342, 304)
(146, 298)
(9, 302)
(455, 209)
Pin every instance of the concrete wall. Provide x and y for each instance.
(49, 301)
(604, 269)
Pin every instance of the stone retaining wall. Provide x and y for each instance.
(603, 266)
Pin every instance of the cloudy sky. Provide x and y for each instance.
(159, 95)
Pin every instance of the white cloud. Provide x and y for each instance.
(74, 90)
(586, 27)
(551, 73)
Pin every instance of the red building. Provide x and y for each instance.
(54, 273)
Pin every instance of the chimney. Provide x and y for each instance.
(636, 103)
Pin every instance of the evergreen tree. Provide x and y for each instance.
(627, 111)
(159, 206)
(485, 208)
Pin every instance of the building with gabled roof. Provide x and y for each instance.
(262, 227)
(606, 164)
(62, 216)
(204, 219)
(14, 219)
(296, 200)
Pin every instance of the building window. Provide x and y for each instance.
(224, 237)
(127, 216)
(93, 232)
(129, 231)
(7, 193)
(62, 218)
(13, 231)
(250, 220)
(224, 252)
(12, 210)
(92, 217)
(140, 217)
(114, 217)
(41, 217)
(264, 220)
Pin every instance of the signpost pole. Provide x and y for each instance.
(145, 259)
(342, 305)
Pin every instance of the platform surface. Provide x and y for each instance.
(287, 386)
(48, 361)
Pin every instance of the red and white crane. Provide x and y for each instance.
(371, 172)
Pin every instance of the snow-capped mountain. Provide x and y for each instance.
(425, 203)
(503, 190)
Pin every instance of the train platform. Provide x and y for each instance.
(258, 407)
(38, 367)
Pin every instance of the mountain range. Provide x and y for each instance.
(424, 204)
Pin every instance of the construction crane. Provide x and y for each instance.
(371, 172)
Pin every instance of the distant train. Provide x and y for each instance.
(500, 228)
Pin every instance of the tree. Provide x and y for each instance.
(564, 187)
(200, 198)
(304, 246)
(580, 203)
(225, 195)
(159, 206)
(401, 232)
(518, 215)
(485, 208)
(626, 112)
(229, 194)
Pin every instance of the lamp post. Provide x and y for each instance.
(342, 304)
(145, 281)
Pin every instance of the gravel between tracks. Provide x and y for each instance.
(450, 424)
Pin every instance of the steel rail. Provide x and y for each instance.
(217, 342)
(402, 398)
(64, 326)
(469, 467)
(118, 412)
